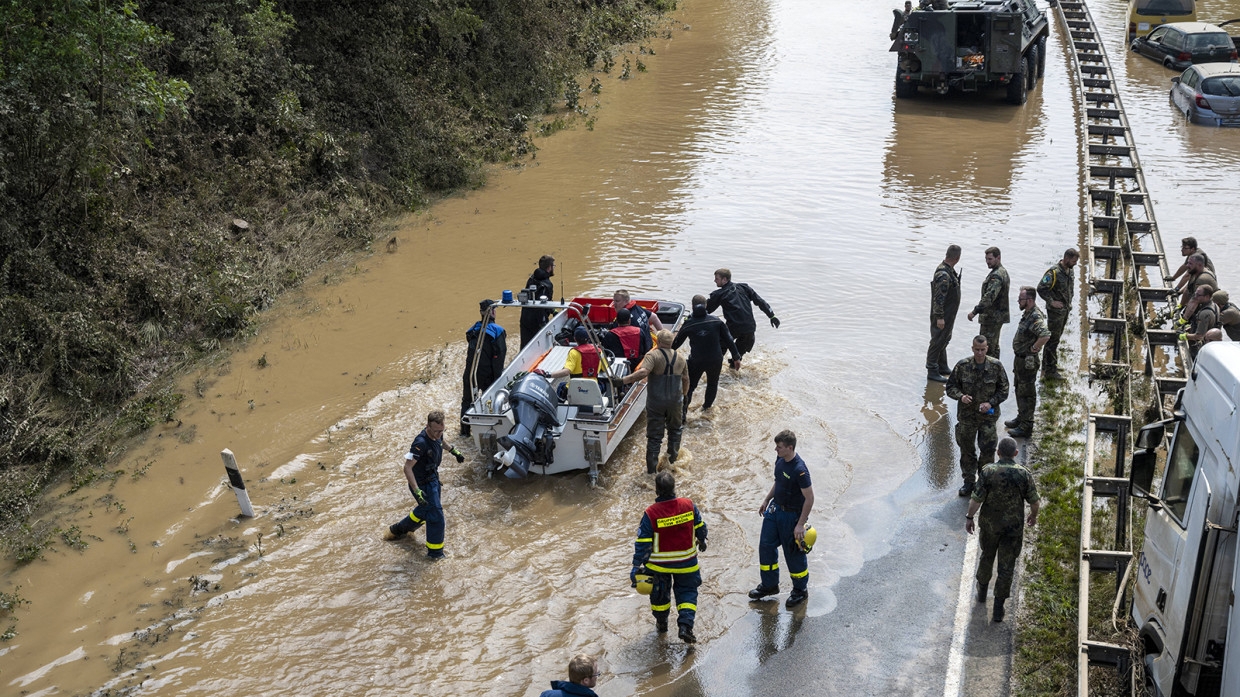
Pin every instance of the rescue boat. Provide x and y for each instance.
(521, 424)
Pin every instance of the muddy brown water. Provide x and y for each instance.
(749, 143)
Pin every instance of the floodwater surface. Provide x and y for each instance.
(752, 141)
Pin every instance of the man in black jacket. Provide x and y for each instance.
(533, 318)
(735, 299)
(489, 358)
(708, 336)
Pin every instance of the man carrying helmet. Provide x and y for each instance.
(668, 539)
(784, 512)
(422, 473)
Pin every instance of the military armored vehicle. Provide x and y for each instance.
(970, 45)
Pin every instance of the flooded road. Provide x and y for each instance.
(753, 142)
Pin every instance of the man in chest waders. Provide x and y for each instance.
(668, 383)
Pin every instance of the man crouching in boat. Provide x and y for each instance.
(584, 361)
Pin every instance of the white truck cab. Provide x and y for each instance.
(1184, 598)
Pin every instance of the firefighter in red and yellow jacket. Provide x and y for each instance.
(671, 533)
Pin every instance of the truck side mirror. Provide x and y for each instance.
(1141, 475)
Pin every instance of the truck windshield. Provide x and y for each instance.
(1181, 467)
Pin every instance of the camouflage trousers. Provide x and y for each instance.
(973, 435)
(1056, 320)
(1025, 385)
(1006, 546)
(991, 332)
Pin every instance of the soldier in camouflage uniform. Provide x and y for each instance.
(944, 304)
(1031, 336)
(980, 384)
(1203, 319)
(1228, 314)
(993, 307)
(1001, 493)
(1056, 289)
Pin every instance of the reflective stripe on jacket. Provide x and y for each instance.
(667, 538)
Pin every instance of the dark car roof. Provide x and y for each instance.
(1195, 27)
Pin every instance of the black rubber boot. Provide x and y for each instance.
(686, 634)
(660, 623)
(998, 614)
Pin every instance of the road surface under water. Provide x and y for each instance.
(752, 142)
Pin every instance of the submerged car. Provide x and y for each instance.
(1144, 15)
(1181, 44)
(1209, 94)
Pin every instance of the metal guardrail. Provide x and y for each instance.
(1126, 265)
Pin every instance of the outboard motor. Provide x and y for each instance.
(534, 409)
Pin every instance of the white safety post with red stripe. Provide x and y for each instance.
(237, 484)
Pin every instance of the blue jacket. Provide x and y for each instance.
(563, 688)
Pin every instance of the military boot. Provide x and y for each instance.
(998, 614)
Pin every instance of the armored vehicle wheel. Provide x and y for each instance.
(904, 90)
(1041, 57)
(1017, 90)
(1031, 71)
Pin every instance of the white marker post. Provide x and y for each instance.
(237, 484)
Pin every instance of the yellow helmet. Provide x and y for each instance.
(645, 582)
(811, 536)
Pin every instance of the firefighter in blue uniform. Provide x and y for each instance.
(422, 473)
(668, 539)
(483, 364)
(784, 513)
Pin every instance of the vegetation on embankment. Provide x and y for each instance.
(1046, 651)
(1045, 631)
(133, 134)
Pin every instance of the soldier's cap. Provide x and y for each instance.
(623, 316)
(484, 305)
(1220, 297)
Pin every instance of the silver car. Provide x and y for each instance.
(1209, 93)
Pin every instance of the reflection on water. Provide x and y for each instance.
(938, 445)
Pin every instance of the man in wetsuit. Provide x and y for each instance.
(736, 300)
(422, 474)
(533, 318)
(668, 539)
(484, 359)
(665, 391)
(708, 336)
